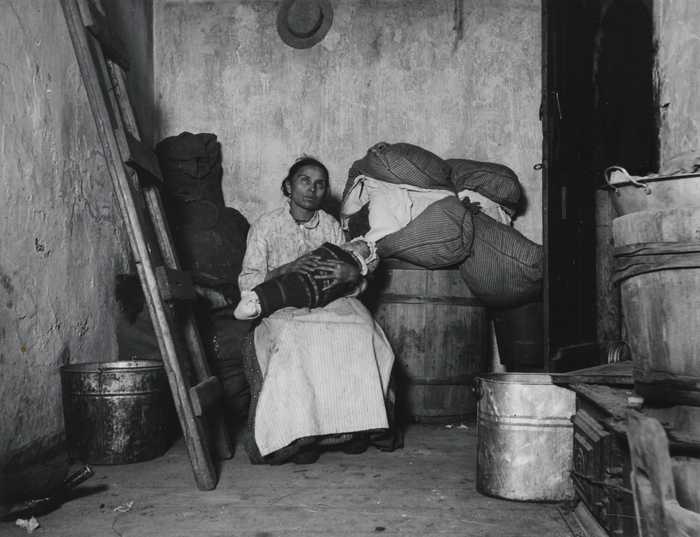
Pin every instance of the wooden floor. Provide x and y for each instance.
(427, 488)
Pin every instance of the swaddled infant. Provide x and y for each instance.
(304, 290)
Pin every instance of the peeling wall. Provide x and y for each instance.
(60, 233)
(388, 70)
(677, 27)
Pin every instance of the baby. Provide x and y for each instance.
(303, 290)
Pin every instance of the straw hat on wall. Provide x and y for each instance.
(303, 23)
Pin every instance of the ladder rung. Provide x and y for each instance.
(144, 161)
(175, 284)
(112, 45)
(204, 395)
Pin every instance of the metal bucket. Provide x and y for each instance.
(524, 437)
(116, 412)
(631, 194)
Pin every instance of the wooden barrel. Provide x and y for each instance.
(437, 329)
(657, 260)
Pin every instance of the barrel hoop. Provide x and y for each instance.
(634, 266)
(526, 421)
(635, 259)
(656, 248)
(397, 298)
(433, 381)
(111, 394)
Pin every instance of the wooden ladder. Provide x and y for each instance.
(136, 177)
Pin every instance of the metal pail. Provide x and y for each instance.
(524, 437)
(116, 412)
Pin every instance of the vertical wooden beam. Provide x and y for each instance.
(607, 292)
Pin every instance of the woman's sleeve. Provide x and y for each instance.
(255, 261)
(336, 233)
(338, 237)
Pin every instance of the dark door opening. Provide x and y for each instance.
(598, 110)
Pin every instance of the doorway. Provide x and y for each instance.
(598, 110)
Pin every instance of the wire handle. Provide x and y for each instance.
(608, 172)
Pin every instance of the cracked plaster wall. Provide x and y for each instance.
(461, 78)
(677, 27)
(61, 239)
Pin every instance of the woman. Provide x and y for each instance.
(319, 376)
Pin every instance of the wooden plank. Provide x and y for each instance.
(95, 77)
(607, 292)
(652, 478)
(144, 161)
(615, 373)
(614, 401)
(588, 523)
(97, 25)
(175, 284)
(204, 395)
(658, 511)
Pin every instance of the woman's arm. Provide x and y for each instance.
(338, 272)
(255, 262)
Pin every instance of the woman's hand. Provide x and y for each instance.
(336, 273)
(305, 264)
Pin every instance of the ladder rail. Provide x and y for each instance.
(104, 105)
(155, 207)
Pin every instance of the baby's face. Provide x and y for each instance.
(362, 249)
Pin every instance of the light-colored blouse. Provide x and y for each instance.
(275, 239)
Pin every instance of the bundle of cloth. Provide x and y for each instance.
(437, 213)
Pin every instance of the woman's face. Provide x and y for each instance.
(307, 189)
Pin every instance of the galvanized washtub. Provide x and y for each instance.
(632, 194)
(525, 437)
(116, 412)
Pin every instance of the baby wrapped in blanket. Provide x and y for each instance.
(299, 290)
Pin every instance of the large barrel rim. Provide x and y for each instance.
(102, 367)
(518, 378)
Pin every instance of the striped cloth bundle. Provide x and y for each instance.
(504, 268)
(402, 163)
(499, 265)
(493, 181)
(440, 236)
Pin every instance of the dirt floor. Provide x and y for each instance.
(427, 488)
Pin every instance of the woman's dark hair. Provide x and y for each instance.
(299, 164)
